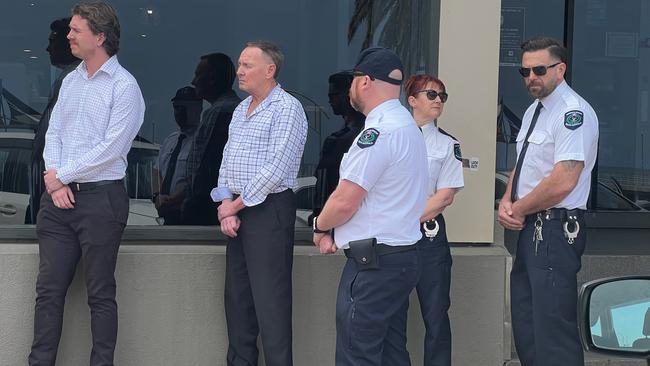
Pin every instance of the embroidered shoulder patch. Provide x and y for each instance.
(368, 138)
(573, 119)
(457, 152)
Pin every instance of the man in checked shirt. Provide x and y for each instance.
(98, 113)
(258, 209)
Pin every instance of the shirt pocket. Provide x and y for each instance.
(435, 161)
(539, 141)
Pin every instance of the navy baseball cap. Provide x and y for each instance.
(379, 63)
(186, 93)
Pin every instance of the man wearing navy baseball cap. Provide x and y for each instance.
(376, 210)
(380, 63)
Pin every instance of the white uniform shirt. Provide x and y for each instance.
(164, 156)
(566, 129)
(93, 124)
(393, 171)
(444, 159)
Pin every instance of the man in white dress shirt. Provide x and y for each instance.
(99, 112)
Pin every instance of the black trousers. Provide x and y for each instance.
(258, 288)
(91, 231)
(370, 311)
(433, 294)
(543, 292)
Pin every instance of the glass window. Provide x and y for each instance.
(520, 20)
(161, 45)
(611, 69)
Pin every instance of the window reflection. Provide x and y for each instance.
(619, 314)
(161, 44)
(611, 70)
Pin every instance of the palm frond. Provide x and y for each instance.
(362, 12)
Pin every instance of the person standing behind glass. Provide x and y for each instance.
(338, 143)
(62, 58)
(258, 209)
(213, 80)
(171, 166)
(98, 114)
(426, 95)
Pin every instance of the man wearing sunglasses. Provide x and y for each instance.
(545, 201)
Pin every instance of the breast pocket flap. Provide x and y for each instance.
(537, 137)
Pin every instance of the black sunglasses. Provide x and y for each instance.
(537, 70)
(432, 94)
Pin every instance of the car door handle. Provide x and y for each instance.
(8, 210)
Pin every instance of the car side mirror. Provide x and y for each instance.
(614, 316)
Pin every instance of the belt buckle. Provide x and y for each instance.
(78, 187)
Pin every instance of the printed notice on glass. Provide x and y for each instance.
(621, 44)
(513, 29)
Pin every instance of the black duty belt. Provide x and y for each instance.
(87, 186)
(558, 214)
(383, 249)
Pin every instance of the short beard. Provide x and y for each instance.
(543, 92)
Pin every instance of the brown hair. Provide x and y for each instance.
(101, 18)
(553, 46)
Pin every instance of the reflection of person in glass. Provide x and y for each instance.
(258, 209)
(61, 57)
(213, 80)
(173, 156)
(98, 114)
(338, 143)
(426, 95)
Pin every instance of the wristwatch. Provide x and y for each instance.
(315, 227)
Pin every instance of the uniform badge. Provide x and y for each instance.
(457, 152)
(367, 138)
(573, 119)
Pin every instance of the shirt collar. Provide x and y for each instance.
(109, 67)
(273, 96)
(429, 127)
(382, 108)
(189, 131)
(555, 97)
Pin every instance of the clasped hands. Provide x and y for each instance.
(509, 215)
(227, 214)
(325, 243)
(61, 194)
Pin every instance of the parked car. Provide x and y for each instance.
(15, 157)
(305, 190)
(614, 316)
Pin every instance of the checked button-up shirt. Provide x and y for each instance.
(93, 124)
(263, 152)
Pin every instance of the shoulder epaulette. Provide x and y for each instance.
(447, 134)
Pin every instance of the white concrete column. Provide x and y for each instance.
(469, 67)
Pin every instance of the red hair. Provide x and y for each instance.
(418, 82)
